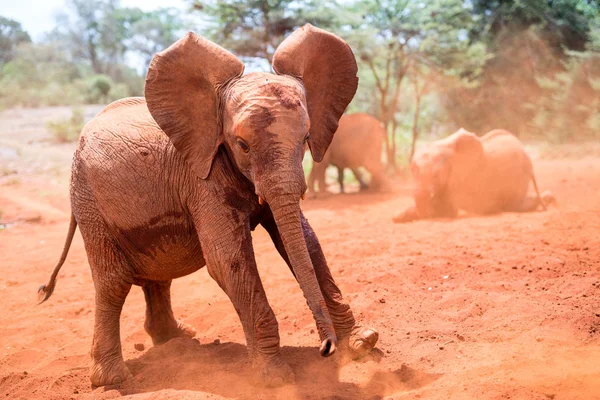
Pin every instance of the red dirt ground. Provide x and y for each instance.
(499, 307)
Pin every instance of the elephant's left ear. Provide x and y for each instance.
(467, 142)
(327, 67)
(182, 93)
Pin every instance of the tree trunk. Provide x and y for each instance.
(392, 161)
(96, 65)
(415, 131)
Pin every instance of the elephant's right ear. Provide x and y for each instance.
(182, 93)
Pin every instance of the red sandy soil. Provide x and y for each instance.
(497, 307)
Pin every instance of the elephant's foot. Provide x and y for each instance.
(109, 373)
(408, 215)
(547, 198)
(272, 372)
(312, 195)
(361, 341)
(163, 334)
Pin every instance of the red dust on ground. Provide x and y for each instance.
(497, 307)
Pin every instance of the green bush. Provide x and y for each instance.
(67, 130)
(118, 91)
(98, 88)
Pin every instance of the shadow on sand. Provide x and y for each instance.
(223, 370)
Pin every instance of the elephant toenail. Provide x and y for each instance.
(277, 381)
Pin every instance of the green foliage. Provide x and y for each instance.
(563, 22)
(403, 47)
(39, 74)
(11, 36)
(98, 88)
(533, 45)
(255, 28)
(155, 31)
(92, 31)
(569, 110)
(83, 59)
(425, 68)
(67, 130)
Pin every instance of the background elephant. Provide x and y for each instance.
(478, 175)
(166, 184)
(357, 143)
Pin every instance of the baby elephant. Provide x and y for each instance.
(164, 185)
(479, 175)
(357, 143)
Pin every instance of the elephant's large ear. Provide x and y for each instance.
(327, 68)
(467, 142)
(182, 92)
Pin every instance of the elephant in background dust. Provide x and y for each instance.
(483, 175)
(357, 143)
(163, 185)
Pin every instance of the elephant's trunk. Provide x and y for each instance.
(423, 201)
(286, 212)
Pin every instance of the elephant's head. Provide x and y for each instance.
(196, 93)
(444, 163)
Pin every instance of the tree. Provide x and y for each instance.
(421, 83)
(11, 36)
(81, 33)
(565, 23)
(393, 37)
(95, 32)
(529, 42)
(84, 59)
(155, 31)
(255, 28)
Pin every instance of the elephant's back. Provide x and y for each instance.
(126, 168)
(504, 150)
(123, 134)
(118, 117)
(508, 169)
(359, 137)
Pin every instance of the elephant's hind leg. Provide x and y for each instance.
(341, 178)
(160, 322)
(108, 269)
(359, 178)
(532, 202)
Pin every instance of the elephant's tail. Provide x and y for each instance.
(45, 291)
(537, 192)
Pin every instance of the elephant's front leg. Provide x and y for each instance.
(231, 263)
(427, 206)
(408, 215)
(422, 209)
(357, 339)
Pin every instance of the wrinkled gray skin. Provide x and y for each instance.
(483, 175)
(166, 184)
(357, 143)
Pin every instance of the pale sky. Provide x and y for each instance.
(37, 16)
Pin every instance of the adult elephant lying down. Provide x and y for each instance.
(164, 185)
(483, 175)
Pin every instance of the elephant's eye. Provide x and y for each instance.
(243, 145)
